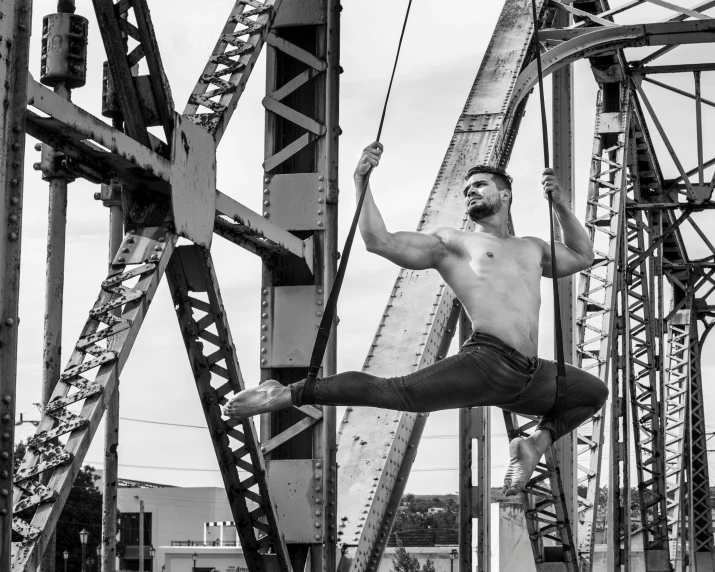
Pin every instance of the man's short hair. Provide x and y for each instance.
(502, 178)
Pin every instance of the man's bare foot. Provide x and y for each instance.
(525, 456)
(268, 397)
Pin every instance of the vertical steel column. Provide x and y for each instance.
(302, 169)
(597, 290)
(111, 198)
(617, 523)
(563, 151)
(54, 276)
(675, 430)
(700, 523)
(14, 60)
(474, 501)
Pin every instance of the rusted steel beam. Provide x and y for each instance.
(14, 55)
(134, 165)
(218, 375)
(120, 69)
(216, 94)
(157, 76)
(93, 369)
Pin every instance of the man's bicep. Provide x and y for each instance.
(413, 250)
(568, 261)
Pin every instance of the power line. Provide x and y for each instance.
(163, 423)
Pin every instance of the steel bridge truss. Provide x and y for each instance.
(638, 317)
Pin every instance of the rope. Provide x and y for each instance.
(326, 322)
(559, 341)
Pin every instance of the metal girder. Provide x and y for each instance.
(215, 96)
(547, 516)
(591, 42)
(562, 128)
(199, 307)
(14, 56)
(644, 376)
(117, 156)
(700, 521)
(618, 510)
(474, 500)
(299, 193)
(90, 378)
(675, 430)
(596, 300)
(116, 29)
(376, 447)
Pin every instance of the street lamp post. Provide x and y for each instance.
(195, 557)
(65, 555)
(152, 553)
(452, 556)
(83, 536)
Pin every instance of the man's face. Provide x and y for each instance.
(481, 196)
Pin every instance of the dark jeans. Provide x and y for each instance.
(485, 372)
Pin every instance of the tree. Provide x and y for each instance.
(83, 509)
(405, 562)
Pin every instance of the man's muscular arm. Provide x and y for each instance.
(575, 251)
(413, 250)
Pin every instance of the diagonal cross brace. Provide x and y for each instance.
(191, 274)
(63, 461)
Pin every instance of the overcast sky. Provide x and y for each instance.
(441, 55)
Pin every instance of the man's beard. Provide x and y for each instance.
(486, 208)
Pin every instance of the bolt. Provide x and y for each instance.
(9, 322)
(7, 399)
(266, 214)
(38, 146)
(120, 259)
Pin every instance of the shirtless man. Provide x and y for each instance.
(497, 278)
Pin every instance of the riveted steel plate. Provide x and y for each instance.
(146, 245)
(290, 316)
(298, 496)
(480, 122)
(609, 123)
(301, 13)
(193, 181)
(297, 201)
